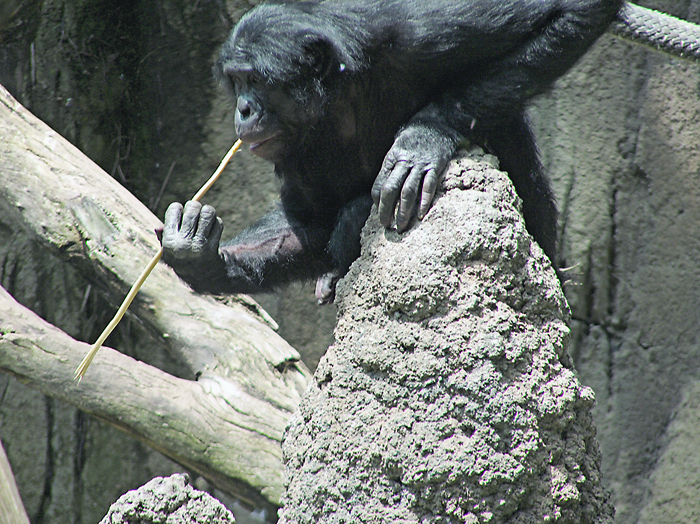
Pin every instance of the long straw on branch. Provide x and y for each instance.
(82, 368)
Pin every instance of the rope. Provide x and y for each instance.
(658, 30)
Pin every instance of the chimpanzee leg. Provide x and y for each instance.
(513, 143)
(344, 245)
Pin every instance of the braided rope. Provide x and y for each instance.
(659, 30)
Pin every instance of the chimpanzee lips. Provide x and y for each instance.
(255, 145)
(268, 148)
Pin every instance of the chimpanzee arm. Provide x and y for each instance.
(274, 251)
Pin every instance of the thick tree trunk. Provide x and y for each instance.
(228, 425)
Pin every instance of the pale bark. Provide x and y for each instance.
(11, 507)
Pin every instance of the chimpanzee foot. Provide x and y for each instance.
(325, 287)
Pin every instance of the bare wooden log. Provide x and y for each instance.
(11, 508)
(71, 207)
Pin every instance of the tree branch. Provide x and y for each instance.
(210, 426)
(229, 424)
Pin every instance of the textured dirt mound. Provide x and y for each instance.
(168, 500)
(448, 395)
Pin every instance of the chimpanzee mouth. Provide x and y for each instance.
(267, 148)
(255, 145)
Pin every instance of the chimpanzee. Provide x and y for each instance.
(356, 101)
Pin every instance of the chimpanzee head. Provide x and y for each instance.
(281, 68)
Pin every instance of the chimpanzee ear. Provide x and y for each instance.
(319, 56)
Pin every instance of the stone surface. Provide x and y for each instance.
(619, 137)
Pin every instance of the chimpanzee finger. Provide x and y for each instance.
(190, 218)
(214, 239)
(325, 287)
(387, 167)
(409, 196)
(430, 183)
(207, 219)
(173, 217)
(391, 191)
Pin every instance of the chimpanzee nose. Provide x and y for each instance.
(243, 106)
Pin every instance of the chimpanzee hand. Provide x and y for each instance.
(191, 238)
(410, 174)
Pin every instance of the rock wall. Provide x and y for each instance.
(619, 137)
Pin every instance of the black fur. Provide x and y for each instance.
(352, 98)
